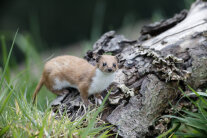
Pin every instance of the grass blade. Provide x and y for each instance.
(203, 100)
(173, 129)
(5, 101)
(93, 120)
(4, 130)
(7, 61)
(4, 54)
(196, 115)
(188, 97)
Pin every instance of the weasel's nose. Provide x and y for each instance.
(109, 70)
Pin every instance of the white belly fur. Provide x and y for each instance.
(100, 82)
(60, 84)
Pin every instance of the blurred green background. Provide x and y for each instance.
(55, 23)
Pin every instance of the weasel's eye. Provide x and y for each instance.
(114, 65)
(104, 64)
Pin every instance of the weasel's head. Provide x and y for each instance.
(107, 63)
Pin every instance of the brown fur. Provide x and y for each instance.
(75, 70)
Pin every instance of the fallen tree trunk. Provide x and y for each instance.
(169, 54)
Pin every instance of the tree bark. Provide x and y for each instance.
(169, 54)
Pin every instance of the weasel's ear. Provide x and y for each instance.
(98, 58)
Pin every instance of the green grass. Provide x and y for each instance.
(190, 124)
(20, 118)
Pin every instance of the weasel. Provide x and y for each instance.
(69, 71)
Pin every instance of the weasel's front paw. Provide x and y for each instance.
(98, 101)
(88, 103)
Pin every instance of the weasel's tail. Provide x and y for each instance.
(39, 86)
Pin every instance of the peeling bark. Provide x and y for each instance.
(159, 27)
(151, 69)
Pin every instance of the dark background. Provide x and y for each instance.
(61, 22)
